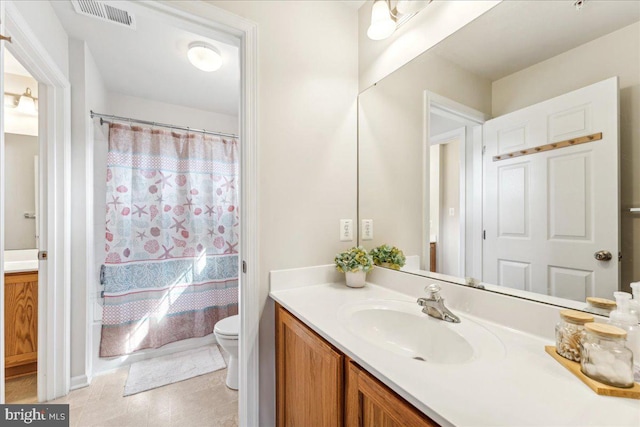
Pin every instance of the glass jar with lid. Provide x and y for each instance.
(569, 332)
(605, 357)
(601, 306)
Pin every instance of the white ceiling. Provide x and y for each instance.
(151, 62)
(517, 34)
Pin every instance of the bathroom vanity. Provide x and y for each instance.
(21, 323)
(20, 312)
(370, 357)
(343, 390)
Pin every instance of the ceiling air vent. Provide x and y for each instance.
(105, 12)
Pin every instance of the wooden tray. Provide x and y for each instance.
(598, 387)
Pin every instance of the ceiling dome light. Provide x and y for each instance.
(382, 26)
(204, 56)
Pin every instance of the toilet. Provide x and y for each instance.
(226, 331)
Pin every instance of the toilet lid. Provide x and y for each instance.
(229, 326)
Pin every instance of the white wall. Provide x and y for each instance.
(377, 59)
(434, 193)
(308, 84)
(618, 54)
(20, 151)
(145, 109)
(88, 93)
(449, 244)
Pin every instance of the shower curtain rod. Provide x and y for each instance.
(163, 125)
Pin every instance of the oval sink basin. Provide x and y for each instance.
(402, 328)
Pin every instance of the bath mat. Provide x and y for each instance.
(159, 371)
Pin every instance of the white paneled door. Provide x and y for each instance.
(546, 214)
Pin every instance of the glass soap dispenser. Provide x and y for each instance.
(569, 332)
(624, 319)
(605, 357)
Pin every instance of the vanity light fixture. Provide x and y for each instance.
(204, 56)
(382, 24)
(23, 103)
(385, 18)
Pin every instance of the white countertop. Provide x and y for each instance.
(525, 388)
(22, 260)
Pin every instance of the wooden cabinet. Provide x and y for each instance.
(369, 403)
(20, 323)
(316, 385)
(309, 371)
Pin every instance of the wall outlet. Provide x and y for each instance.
(346, 230)
(367, 229)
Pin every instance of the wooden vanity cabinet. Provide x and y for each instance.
(316, 385)
(309, 372)
(20, 323)
(369, 403)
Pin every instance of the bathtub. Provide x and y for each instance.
(16, 261)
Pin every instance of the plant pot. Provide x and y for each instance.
(355, 279)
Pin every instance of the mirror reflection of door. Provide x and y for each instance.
(551, 199)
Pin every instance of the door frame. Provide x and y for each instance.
(54, 137)
(55, 109)
(445, 107)
(460, 135)
(200, 15)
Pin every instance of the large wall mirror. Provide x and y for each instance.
(510, 153)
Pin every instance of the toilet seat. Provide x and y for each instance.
(228, 327)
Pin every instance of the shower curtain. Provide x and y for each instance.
(172, 234)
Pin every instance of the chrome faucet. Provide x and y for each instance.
(433, 305)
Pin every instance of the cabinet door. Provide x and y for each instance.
(21, 323)
(309, 372)
(369, 403)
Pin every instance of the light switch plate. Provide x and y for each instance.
(367, 229)
(346, 230)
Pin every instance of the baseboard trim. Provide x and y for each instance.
(80, 381)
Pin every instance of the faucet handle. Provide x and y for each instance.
(433, 290)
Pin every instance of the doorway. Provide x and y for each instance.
(447, 196)
(55, 94)
(21, 166)
(453, 204)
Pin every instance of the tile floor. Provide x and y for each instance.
(201, 401)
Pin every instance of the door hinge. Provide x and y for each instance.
(484, 149)
(484, 234)
(42, 255)
(244, 266)
(619, 256)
